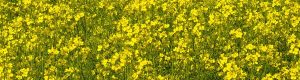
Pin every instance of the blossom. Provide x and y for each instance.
(26, 1)
(53, 51)
(250, 46)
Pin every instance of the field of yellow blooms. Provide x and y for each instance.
(149, 39)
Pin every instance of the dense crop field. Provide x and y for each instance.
(149, 39)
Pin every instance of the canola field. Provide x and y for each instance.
(149, 39)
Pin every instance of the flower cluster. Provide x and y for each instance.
(149, 39)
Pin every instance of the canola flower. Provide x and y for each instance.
(149, 39)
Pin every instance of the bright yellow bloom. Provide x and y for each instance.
(237, 33)
(26, 1)
(250, 46)
(53, 51)
(263, 48)
(78, 16)
(100, 47)
(24, 72)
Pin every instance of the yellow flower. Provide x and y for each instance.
(258, 68)
(19, 77)
(70, 70)
(30, 57)
(237, 33)
(85, 50)
(26, 1)
(294, 51)
(65, 49)
(143, 63)
(24, 72)
(53, 68)
(55, 9)
(100, 47)
(295, 21)
(46, 77)
(164, 6)
(136, 75)
(78, 16)
(230, 75)
(223, 60)
(132, 41)
(267, 77)
(101, 4)
(3, 51)
(212, 19)
(250, 46)
(292, 38)
(263, 48)
(194, 12)
(234, 55)
(160, 77)
(40, 19)
(77, 41)
(53, 51)
(33, 38)
(104, 62)
(110, 7)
